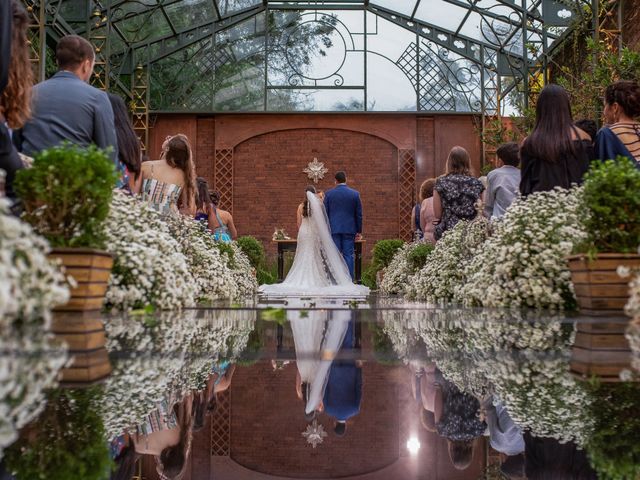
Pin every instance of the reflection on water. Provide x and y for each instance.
(312, 388)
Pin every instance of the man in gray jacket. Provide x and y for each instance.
(67, 108)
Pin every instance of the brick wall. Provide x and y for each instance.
(269, 184)
(268, 153)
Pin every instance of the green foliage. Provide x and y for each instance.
(612, 213)
(67, 442)
(253, 249)
(417, 256)
(383, 350)
(252, 352)
(383, 253)
(226, 249)
(587, 80)
(67, 193)
(369, 276)
(614, 446)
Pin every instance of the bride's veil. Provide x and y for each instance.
(335, 265)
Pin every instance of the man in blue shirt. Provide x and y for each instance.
(67, 108)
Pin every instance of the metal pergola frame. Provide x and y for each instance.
(124, 65)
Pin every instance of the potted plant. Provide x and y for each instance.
(612, 221)
(66, 197)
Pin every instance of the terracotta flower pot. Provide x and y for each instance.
(91, 269)
(599, 289)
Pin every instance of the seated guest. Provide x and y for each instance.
(503, 182)
(169, 184)
(16, 80)
(621, 135)
(427, 217)
(129, 152)
(67, 108)
(556, 154)
(204, 207)
(589, 127)
(418, 234)
(221, 222)
(456, 193)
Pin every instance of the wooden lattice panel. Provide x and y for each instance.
(406, 192)
(224, 178)
(221, 426)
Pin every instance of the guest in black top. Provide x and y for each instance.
(16, 79)
(556, 154)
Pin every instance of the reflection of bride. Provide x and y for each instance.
(317, 335)
(318, 268)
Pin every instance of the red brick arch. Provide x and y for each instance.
(268, 178)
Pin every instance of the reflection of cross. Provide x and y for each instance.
(314, 433)
(315, 170)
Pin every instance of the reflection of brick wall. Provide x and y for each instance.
(267, 424)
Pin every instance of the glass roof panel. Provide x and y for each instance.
(188, 13)
(229, 7)
(441, 14)
(404, 7)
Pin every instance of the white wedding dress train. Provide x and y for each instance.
(318, 267)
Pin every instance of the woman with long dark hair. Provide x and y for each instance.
(621, 135)
(557, 153)
(221, 221)
(16, 80)
(169, 184)
(129, 151)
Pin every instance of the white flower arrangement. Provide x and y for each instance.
(445, 268)
(523, 263)
(149, 267)
(165, 356)
(523, 359)
(633, 310)
(220, 270)
(397, 274)
(169, 262)
(31, 286)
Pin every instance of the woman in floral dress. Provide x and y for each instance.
(459, 422)
(456, 193)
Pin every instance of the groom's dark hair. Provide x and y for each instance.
(341, 177)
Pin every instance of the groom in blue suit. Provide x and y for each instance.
(344, 210)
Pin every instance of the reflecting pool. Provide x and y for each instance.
(321, 388)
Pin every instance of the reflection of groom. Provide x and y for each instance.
(344, 210)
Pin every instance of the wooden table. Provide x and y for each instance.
(291, 245)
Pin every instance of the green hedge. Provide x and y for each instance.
(383, 253)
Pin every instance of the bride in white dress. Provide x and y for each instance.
(318, 268)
